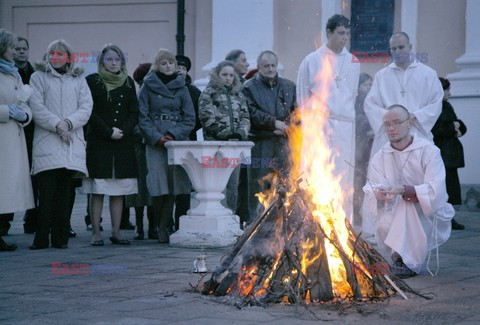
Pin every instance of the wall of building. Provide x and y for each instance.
(139, 29)
(441, 33)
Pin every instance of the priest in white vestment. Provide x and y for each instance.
(409, 83)
(406, 82)
(341, 78)
(407, 189)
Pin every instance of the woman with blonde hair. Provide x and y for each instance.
(166, 114)
(111, 162)
(61, 105)
(16, 187)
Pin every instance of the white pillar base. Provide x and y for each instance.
(209, 224)
(208, 232)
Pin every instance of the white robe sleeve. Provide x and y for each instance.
(374, 106)
(303, 83)
(432, 194)
(427, 115)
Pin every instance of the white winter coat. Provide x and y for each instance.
(15, 183)
(57, 97)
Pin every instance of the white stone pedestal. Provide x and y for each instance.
(209, 165)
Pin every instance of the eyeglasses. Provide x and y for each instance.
(394, 124)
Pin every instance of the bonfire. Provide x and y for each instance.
(302, 249)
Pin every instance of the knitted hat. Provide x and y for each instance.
(141, 71)
(184, 61)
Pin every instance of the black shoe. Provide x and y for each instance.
(139, 236)
(71, 233)
(457, 226)
(4, 247)
(117, 241)
(127, 226)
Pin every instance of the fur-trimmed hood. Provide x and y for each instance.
(75, 71)
(216, 83)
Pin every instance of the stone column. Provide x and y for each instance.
(465, 89)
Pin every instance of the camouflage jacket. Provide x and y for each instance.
(223, 112)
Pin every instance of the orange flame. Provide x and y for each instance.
(312, 159)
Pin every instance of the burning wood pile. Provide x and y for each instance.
(302, 247)
(286, 255)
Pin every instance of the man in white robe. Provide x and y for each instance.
(341, 77)
(409, 83)
(406, 82)
(407, 180)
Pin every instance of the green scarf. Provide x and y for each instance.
(111, 80)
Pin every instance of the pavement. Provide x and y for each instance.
(151, 283)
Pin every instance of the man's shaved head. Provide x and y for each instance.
(399, 108)
(401, 34)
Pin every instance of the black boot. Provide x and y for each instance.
(152, 226)
(139, 235)
(125, 224)
(456, 225)
(4, 247)
(165, 223)
(163, 207)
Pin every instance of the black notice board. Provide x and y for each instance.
(372, 25)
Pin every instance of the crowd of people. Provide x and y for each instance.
(100, 131)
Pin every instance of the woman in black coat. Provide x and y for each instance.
(111, 162)
(446, 132)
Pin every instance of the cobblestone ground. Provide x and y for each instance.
(150, 283)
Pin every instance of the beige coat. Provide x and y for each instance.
(57, 97)
(15, 183)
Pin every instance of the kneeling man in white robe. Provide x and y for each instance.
(407, 190)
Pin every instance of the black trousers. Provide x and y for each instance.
(54, 191)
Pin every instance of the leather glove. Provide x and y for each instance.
(235, 136)
(17, 113)
(161, 142)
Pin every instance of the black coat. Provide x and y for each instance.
(120, 111)
(195, 95)
(444, 137)
(267, 104)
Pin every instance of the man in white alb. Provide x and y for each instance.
(343, 84)
(407, 179)
(409, 83)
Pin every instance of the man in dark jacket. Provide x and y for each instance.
(270, 100)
